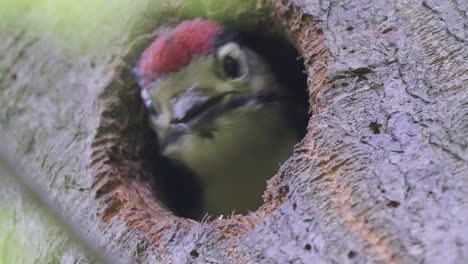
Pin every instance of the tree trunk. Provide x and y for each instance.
(380, 177)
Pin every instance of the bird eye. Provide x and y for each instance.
(232, 61)
(231, 67)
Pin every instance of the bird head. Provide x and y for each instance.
(196, 73)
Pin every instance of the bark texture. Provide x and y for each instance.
(381, 176)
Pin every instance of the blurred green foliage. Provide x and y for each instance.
(95, 25)
(26, 236)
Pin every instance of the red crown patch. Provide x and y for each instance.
(173, 50)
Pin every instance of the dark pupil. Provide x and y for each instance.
(231, 67)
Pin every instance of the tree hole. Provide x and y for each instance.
(393, 204)
(194, 253)
(375, 127)
(157, 196)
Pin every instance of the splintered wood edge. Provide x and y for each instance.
(120, 174)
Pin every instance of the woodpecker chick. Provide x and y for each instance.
(218, 109)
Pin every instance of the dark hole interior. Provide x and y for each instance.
(176, 185)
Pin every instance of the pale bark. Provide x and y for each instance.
(381, 176)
